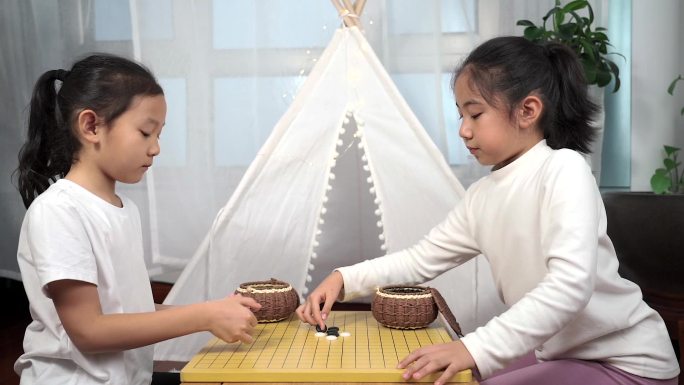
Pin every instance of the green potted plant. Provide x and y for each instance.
(669, 179)
(565, 25)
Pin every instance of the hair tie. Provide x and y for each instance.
(61, 74)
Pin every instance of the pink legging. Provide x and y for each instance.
(528, 371)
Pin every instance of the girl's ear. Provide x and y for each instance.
(88, 126)
(530, 111)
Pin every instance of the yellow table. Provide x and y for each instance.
(289, 352)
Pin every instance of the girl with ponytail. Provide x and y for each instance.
(539, 220)
(80, 247)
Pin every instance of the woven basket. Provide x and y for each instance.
(410, 307)
(278, 299)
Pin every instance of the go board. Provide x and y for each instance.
(289, 351)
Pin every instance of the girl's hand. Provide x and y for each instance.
(452, 357)
(327, 293)
(232, 319)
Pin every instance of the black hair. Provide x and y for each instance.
(509, 68)
(103, 83)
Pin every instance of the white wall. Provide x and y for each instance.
(657, 58)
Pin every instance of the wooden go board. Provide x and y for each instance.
(289, 351)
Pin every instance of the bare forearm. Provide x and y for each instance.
(116, 332)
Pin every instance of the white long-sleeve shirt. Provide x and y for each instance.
(541, 224)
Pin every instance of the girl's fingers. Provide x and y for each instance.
(249, 302)
(327, 307)
(300, 312)
(412, 369)
(316, 312)
(306, 314)
(246, 338)
(423, 370)
(446, 376)
(409, 359)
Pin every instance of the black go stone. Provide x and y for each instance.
(318, 329)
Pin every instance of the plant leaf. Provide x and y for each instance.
(669, 164)
(534, 33)
(525, 23)
(615, 70)
(591, 13)
(575, 5)
(550, 13)
(558, 18)
(567, 30)
(603, 78)
(617, 85)
(600, 36)
(669, 150)
(589, 50)
(671, 87)
(660, 184)
(589, 70)
(661, 172)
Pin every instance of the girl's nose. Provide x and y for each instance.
(155, 148)
(464, 131)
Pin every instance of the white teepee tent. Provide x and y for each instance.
(347, 174)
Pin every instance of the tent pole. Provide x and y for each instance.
(358, 7)
(353, 17)
(343, 13)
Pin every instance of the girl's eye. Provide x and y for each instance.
(476, 115)
(145, 134)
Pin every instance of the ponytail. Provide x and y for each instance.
(568, 123)
(50, 146)
(103, 83)
(507, 69)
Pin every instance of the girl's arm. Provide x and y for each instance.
(447, 245)
(78, 307)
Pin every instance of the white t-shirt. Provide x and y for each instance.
(541, 224)
(70, 233)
